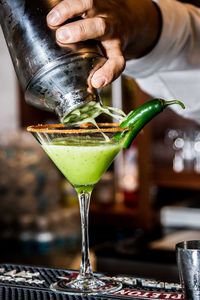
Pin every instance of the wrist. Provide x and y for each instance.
(149, 33)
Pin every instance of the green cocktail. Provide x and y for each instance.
(83, 163)
(82, 155)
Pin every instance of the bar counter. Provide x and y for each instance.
(24, 282)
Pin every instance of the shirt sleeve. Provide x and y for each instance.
(172, 68)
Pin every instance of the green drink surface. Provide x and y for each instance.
(82, 162)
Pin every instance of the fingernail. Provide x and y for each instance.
(62, 35)
(53, 17)
(99, 81)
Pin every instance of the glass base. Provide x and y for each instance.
(85, 286)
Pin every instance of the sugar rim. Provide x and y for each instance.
(84, 128)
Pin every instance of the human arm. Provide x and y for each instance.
(127, 29)
(172, 68)
(166, 66)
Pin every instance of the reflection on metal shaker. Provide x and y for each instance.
(53, 78)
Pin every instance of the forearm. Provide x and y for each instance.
(144, 39)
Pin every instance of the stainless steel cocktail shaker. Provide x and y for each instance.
(53, 78)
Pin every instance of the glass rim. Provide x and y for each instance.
(188, 245)
(83, 128)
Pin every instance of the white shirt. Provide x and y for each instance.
(172, 69)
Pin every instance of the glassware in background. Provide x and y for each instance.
(126, 164)
(197, 151)
(23, 176)
(129, 181)
(186, 146)
(32, 213)
(104, 192)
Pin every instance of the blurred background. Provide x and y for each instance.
(146, 202)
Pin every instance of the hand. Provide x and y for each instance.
(126, 29)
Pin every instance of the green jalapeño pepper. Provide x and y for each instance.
(140, 116)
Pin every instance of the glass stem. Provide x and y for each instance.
(84, 203)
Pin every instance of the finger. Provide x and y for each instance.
(67, 9)
(112, 68)
(108, 72)
(81, 30)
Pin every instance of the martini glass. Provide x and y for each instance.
(82, 154)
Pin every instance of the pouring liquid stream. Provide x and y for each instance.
(89, 112)
(134, 121)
